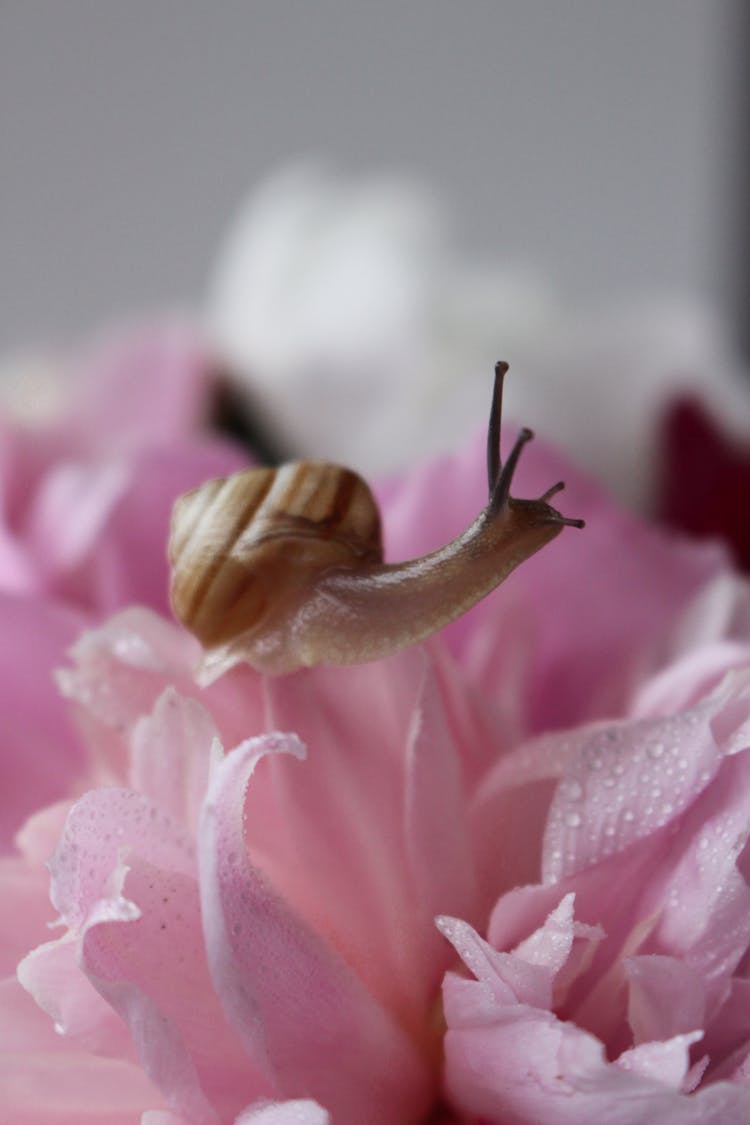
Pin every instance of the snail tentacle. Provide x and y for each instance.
(493, 429)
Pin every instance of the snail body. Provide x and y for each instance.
(283, 568)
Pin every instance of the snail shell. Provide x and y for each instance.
(243, 546)
(283, 568)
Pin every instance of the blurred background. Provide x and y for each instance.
(596, 142)
(359, 207)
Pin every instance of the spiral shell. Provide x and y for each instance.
(243, 547)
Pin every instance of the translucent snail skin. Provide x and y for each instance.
(283, 568)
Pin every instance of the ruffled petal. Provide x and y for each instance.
(302, 1014)
(144, 954)
(511, 1061)
(170, 756)
(101, 829)
(52, 975)
(118, 671)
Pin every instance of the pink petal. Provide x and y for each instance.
(70, 510)
(23, 1025)
(51, 974)
(20, 572)
(144, 385)
(727, 1039)
(665, 998)
(39, 836)
(504, 976)
(510, 1062)
(144, 953)
(41, 756)
(719, 611)
(171, 753)
(666, 1062)
(539, 968)
(128, 562)
(676, 893)
(705, 916)
(624, 782)
(683, 683)
(302, 1014)
(356, 859)
(162, 1117)
(26, 908)
(72, 1088)
(100, 829)
(120, 669)
(435, 829)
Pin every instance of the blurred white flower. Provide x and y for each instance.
(356, 332)
(33, 389)
(599, 382)
(344, 315)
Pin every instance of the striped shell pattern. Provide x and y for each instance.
(242, 546)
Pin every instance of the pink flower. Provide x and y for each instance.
(85, 503)
(250, 897)
(86, 495)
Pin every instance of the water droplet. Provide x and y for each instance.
(609, 781)
(628, 815)
(573, 819)
(655, 749)
(573, 790)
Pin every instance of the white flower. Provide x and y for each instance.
(346, 319)
(355, 331)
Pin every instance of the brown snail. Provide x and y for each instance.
(283, 568)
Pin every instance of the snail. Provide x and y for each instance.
(283, 568)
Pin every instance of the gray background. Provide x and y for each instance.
(595, 139)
